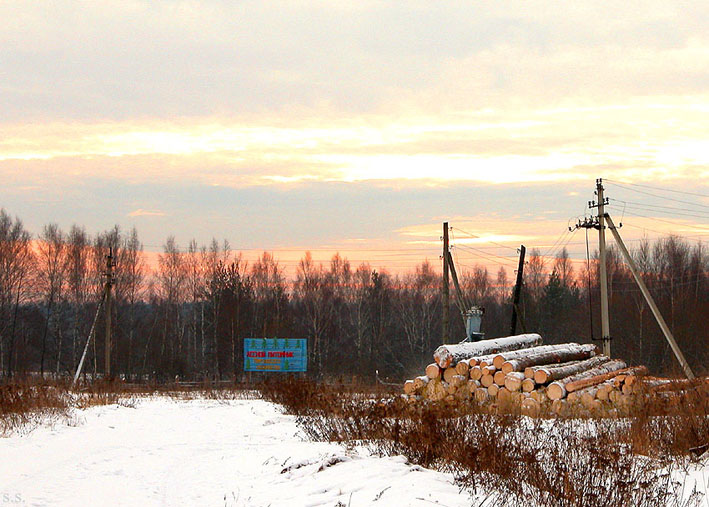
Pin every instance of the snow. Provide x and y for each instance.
(163, 451)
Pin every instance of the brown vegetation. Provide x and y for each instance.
(517, 460)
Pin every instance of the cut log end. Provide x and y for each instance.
(556, 391)
(433, 371)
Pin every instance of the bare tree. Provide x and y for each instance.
(16, 259)
(78, 286)
(312, 290)
(270, 293)
(564, 268)
(51, 278)
(132, 283)
(171, 281)
(418, 306)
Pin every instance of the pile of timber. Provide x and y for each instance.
(519, 372)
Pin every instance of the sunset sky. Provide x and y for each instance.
(356, 126)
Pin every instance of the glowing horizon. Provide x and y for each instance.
(328, 127)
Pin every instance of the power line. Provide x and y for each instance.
(656, 206)
(661, 220)
(650, 207)
(656, 188)
(486, 241)
(485, 255)
(660, 196)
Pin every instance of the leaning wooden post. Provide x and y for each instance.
(650, 301)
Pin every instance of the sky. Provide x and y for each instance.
(357, 127)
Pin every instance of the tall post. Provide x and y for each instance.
(605, 326)
(650, 301)
(109, 283)
(446, 289)
(518, 290)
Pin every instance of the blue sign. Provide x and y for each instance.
(275, 354)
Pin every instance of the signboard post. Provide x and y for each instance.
(276, 354)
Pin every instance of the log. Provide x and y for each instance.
(528, 385)
(473, 385)
(449, 355)
(463, 367)
(513, 381)
(502, 357)
(547, 374)
(409, 387)
(476, 373)
(531, 407)
(448, 374)
(480, 360)
(481, 395)
(420, 382)
(604, 391)
(557, 389)
(487, 380)
(614, 396)
(463, 393)
(493, 390)
(504, 396)
(457, 380)
(435, 390)
(589, 396)
(530, 371)
(560, 354)
(676, 384)
(598, 379)
(433, 371)
(559, 407)
(499, 378)
(488, 370)
(539, 395)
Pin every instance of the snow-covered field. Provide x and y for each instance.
(203, 452)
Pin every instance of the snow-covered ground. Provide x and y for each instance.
(203, 452)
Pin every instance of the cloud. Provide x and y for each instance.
(120, 60)
(140, 212)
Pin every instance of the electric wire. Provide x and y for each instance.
(486, 241)
(655, 188)
(654, 210)
(665, 221)
(661, 196)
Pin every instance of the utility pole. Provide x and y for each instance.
(109, 284)
(598, 222)
(518, 290)
(605, 326)
(650, 301)
(446, 290)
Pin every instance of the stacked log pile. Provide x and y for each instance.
(518, 372)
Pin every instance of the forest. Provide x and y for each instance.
(187, 315)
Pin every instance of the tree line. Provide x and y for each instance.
(187, 316)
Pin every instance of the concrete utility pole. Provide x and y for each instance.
(446, 290)
(109, 284)
(518, 290)
(605, 326)
(650, 301)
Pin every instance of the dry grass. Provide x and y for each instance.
(515, 459)
(520, 461)
(25, 403)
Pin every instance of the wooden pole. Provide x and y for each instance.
(605, 326)
(446, 290)
(109, 283)
(458, 292)
(518, 289)
(650, 301)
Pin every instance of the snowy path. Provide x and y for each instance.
(203, 452)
